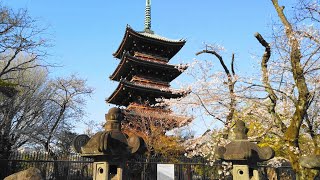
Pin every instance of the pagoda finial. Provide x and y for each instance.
(147, 21)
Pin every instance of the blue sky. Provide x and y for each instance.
(86, 33)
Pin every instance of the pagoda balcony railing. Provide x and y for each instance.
(153, 86)
(147, 81)
(148, 107)
(153, 58)
(156, 116)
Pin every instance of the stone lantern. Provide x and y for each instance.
(110, 148)
(244, 154)
(310, 162)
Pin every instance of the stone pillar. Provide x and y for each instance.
(107, 171)
(255, 175)
(243, 172)
(100, 171)
(240, 172)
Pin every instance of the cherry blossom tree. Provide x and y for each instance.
(212, 93)
(281, 102)
(213, 99)
(291, 80)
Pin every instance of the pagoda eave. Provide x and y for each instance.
(131, 36)
(130, 65)
(135, 120)
(128, 92)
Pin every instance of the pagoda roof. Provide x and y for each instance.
(127, 62)
(151, 38)
(127, 91)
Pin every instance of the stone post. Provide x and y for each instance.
(105, 170)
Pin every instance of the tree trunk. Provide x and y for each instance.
(5, 141)
(292, 133)
(53, 155)
(5, 151)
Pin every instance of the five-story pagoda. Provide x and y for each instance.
(144, 76)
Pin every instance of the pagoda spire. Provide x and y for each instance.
(147, 20)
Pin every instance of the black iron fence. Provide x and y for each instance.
(284, 172)
(145, 168)
(74, 167)
(71, 167)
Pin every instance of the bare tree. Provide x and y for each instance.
(64, 104)
(22, 48)
(20, 113)
(92, 127)
(42, 109)
(19, 35)
(64, 141)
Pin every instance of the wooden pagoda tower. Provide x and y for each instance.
(144, 75)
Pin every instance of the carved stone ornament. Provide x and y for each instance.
(241, 149)
(80, 141)
(111, 141)
(311, 162)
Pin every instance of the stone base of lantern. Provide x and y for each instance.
(106, 171)
(240, 172)
(243, 172)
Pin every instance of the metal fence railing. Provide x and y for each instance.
(69, 167)
(184, 168)
(75, 167)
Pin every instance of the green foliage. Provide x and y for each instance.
(7, 84)
(165, 146)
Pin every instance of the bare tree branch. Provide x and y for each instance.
(272, 96)
(232, 65)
